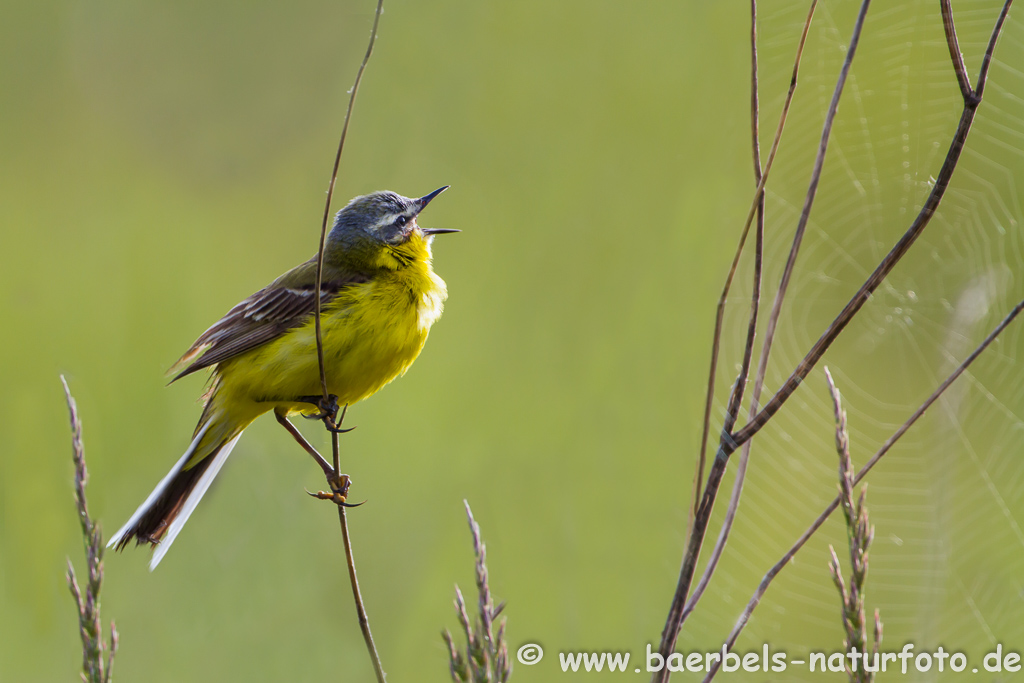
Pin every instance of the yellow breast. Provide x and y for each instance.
(376, 335)
(371, 334)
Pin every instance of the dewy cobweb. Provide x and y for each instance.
(947, 566)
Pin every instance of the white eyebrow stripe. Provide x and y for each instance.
(392, 217)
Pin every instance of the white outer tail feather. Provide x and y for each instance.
(146, 504)
(190, 502)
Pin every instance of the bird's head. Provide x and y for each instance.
(379, 230)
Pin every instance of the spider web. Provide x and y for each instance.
(947, 563)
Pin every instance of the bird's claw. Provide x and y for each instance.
(328, 412)
(338, 430)
(328, 408)
(334, 497)
(339, 491)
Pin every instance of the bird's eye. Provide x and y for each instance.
(401, 221)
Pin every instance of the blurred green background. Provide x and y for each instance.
(161, 161)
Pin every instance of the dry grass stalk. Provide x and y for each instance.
(95, 668)
(485, 659)
(859, 536)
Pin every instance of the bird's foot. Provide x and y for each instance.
(328, 407)
(328, 412)
(339, 491)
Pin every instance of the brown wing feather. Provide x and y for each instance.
(262, 317)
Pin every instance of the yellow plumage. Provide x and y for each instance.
(379, 296)
(372, 332)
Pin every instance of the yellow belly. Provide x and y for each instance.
(371, 334)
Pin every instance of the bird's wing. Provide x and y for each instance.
(285, 303)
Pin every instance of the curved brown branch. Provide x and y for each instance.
(972, 99)
(741, 470)
(755, 206)
(971, 102)
(728, 444)
(886, 447)
(954, 50)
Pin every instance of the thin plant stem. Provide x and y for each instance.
(886, 447)
(95, 668)
(364, 620)
(971, 102)
(755, 204)
(330, 196)
(485, 659)
(736, 398)
(728, 445)
(954, 50)
(859, 536)
(335, 480)
(741, 470)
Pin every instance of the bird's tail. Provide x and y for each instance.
(162, 515)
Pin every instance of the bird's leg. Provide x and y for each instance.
(324, 465)
(339, 482)
(328, 412)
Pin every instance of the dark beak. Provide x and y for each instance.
(423, 201)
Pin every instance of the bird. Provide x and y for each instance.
(379, 296)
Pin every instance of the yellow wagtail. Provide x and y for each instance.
(379, 297)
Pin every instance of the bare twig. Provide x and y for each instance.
(95, 669)
(364, 620)
(330, 196)
(812, 190)
(954, 50)
(971, 102)
(756, 205)
(728, 444)
(486, 657)
(731, 442)
(890, 442)
(734, 500)
(336, 480)
(736, 398)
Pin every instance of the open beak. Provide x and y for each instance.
(423, 201)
